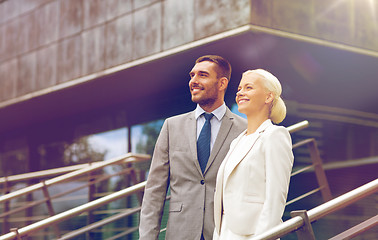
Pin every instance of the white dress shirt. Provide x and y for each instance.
(215, 121)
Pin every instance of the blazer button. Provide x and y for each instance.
(202, 182)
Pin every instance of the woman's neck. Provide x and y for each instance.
(254, 122)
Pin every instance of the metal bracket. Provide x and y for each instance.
(15, 230)
(305, 232)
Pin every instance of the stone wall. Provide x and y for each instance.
(350, 22)
(47, 42)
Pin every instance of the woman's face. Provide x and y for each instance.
(252, 96)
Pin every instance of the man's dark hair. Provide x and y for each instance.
(224, 67)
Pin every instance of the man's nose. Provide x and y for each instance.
(193, 79)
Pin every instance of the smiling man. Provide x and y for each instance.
(187, 155)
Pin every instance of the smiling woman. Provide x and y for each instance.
(253, 180)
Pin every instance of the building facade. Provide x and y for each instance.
(99, 77)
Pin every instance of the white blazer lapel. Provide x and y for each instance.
(218, 198)
(240, 155)
(244, 151)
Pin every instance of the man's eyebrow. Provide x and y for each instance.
(200, 72)
(203, 72)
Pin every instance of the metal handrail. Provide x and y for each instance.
(73, 212)
(356, 230)
(44, 173)
(99, 223)
(298, 126)
(131, 158)
(320, 211)
(60, 194)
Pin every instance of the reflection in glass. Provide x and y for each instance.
(14, 153)
(112, 143)
(144, 136)
(143, 139)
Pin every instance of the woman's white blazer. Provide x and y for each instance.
(256, 185)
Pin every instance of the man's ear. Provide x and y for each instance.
(223, 83)
(269, 98)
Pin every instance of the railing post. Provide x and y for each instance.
(134, 180)
(319, 171)
(50, 206)
(305, 232)
(6, 224)
(91, 197)
(48, 199)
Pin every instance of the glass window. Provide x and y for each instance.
(143, 139)
(14, 153)
(111, 143)
(144, 136)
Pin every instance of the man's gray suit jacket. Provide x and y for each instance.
(175, 164)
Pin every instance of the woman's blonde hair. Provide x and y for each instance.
(271, 83)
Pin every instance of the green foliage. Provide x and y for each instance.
(146, 143)
(151, 132)
(81, 151)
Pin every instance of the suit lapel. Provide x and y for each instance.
(221, 137)
(192, 124)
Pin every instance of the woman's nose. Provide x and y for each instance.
(239, 93)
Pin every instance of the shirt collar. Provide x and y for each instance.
(218, 113)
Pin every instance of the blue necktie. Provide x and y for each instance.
(203, 142)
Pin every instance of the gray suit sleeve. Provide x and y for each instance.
(156, 189)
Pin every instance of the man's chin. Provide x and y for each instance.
(202, 102)
(196, 99)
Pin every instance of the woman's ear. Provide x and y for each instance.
(269, 98)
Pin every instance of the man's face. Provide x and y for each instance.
(204, 84)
